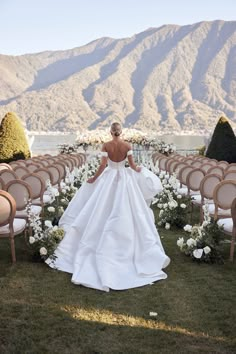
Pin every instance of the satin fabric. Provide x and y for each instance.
(110, 237)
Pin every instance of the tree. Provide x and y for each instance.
(223, 142)
(13, 142)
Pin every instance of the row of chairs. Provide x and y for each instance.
(19, 184)
(218, 190)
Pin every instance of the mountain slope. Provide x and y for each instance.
(167, 78)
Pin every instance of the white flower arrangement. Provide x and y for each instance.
(173, 209)
(203, 244)
(45, 237)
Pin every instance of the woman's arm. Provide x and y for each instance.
(131, 162)
(101, 168)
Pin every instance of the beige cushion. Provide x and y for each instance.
(18, 226)
(36, 210)
(211, 209)
(227, 224)
(46, 200)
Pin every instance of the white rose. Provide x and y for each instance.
(51, 209)
(187, 228)
(159, 205)
(198, 253)
(180, 242)
(167, 226)
(55, 228)
(191, 242)
(179, 196)
(183, 206)
(48, 223)
(43, 251)
(165, 205)
(31, 240)
(63, 191)
(207, 249)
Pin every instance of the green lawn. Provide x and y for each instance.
(43, 312)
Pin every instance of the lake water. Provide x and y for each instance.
(48, 144)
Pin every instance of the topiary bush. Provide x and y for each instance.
(223, 142)
(13, 142)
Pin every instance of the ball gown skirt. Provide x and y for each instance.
(111, 241)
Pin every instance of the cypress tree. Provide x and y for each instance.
(13, 142)
(223, 142)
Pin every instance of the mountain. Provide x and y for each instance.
(168, 78)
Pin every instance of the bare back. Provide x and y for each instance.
(117, 149)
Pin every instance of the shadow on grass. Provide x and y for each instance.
(43, 329)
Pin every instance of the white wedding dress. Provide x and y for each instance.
(110, 237)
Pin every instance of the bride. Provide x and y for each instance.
(111, 241)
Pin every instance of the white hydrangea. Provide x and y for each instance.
(188, 228)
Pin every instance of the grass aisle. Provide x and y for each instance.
(43, 312)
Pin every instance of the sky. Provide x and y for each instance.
(30, 26)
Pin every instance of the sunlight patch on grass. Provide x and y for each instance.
(110, 318)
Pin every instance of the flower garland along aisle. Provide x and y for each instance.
(45, 231)
(173, 207)
(203, 243)
(140, 141)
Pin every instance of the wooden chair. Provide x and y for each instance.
(38, 187)
(230, 174)
(5, 166)
(231, 167)
(223, 196)
(22, 193)
(216, 170)
(2, 183)
(20, 171)
(9, 226)
(207, 186)
(229, 226)
(8, 175)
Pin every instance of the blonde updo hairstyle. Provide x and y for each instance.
(116, 129)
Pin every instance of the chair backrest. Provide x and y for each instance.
(44, 173)
(7, 209)
(224, 194)
(231, 167)
(230, 174)
(169, 162)
(36, 183)
(20, 191)
(8, 175)
(162, 163)
(188, 161)
(20, 171)
(208, 185)
(183, 173)
(233, 214)
(5, 166)
(223, 164)
(206, 166)
(55, 174)
(216, 170)
(2, 183)
(32, 167)
(194, 179)
(196, 164)
(61, 168)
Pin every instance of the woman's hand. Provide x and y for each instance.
(91, 180)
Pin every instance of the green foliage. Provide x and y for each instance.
(223, 142)
(13, 142)
(201, 150)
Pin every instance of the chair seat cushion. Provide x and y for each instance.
(18, 226)
(36, 209)
(227, 224)
(223, 212)
(46, 200)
